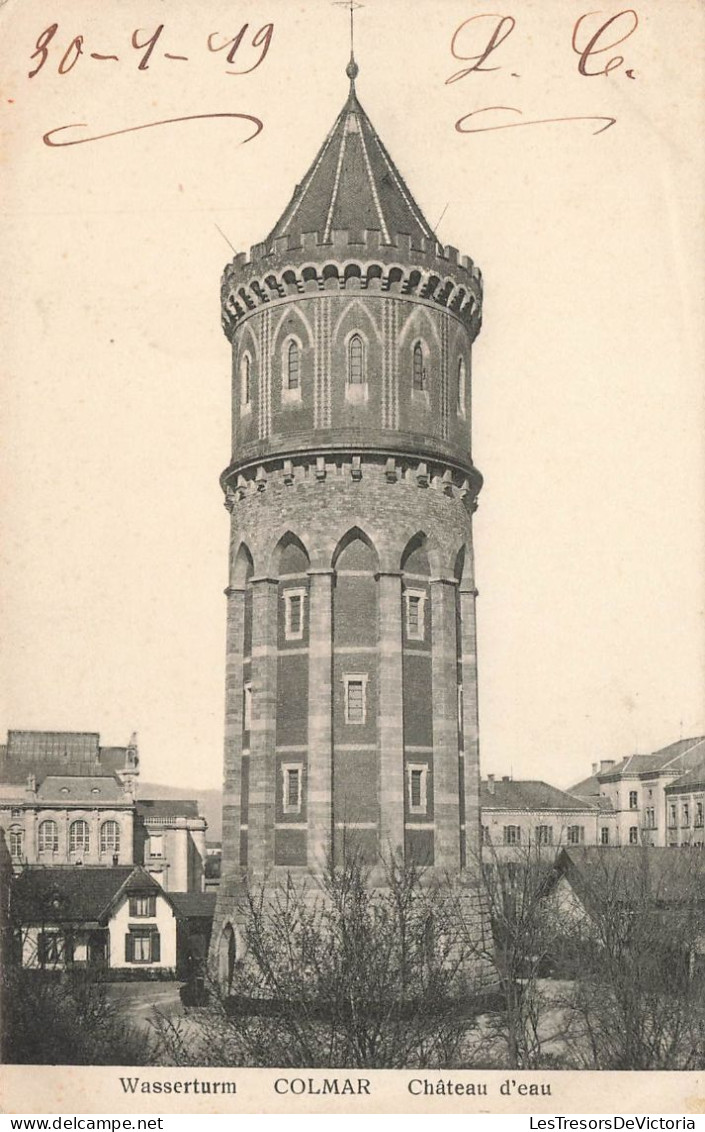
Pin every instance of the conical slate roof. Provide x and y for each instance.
(353, 184)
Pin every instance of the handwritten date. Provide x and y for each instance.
(252, 50)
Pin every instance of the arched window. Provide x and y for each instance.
(419, 369)
(461, 386)
(293, 366)
(245, 381)
(16, 844)
(109, 837)
(356, 361)
(79, 837)
(47, 837)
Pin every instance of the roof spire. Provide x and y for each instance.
(352, 70)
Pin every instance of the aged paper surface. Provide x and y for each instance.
(572, 176)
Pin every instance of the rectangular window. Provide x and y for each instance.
(49, 949)
(294, 614)
(415, 617)
(685, 814)
(355, 699)
(650, 817)
(698, 814)
(143, 905)
(633, 835)
(605, 835)
(672, 816)
(576, 834)
(16, 843)
(292, 774)
(142, 945)
(633, 800)
(486, 836)
(156, 845)
(544, 834)
(417, 788)
(512, 835)
(247, 707)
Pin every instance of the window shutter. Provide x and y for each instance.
(133, 906)
(156, 947)
(128, 948)
(152, 905)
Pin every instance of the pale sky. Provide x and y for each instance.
(587, 375)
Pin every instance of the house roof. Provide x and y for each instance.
(70, 894)
(529, 795)
(193, 905)
(693, 779)
(586, 788)
(91, 790)
(167, 808)
(666, 875)
(352, 184)
(44, 753)
(676, 758)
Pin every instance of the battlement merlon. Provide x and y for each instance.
(293, 266)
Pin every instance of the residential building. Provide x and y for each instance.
(634, 791)
(523, 814)
(67, 800)
(351, 676)
(685, 808)
(170, 841)
(117, 918)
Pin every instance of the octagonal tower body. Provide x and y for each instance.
(351, 679)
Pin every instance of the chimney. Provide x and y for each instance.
(490, 784)
(606, 764)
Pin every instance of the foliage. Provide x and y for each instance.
(68, 1018)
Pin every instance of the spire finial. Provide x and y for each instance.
(352, 70)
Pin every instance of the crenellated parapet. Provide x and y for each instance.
(299, 470)
(352, 261)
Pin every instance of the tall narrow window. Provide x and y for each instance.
(417, 777)
(110, 837)
(294, 614)
(605, 835)
(245, 382)
(685, 814)
(292, 792)
(48, 837)
(698, 813)
(79, 837)
(672, 816)
(293, 363)
(633, 800)
(156, 845)
(16, 844)
(419, 369)
(633, 835)
(355, 699)
(415, 600)
(461, 387)
(356, 361)
(247, 707)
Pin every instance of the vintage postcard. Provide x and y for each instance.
(353, 745)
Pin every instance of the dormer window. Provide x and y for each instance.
(245, 384)
(419, 369)
(356, 361)
(461, 387)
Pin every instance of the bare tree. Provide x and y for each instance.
(345, 971)
(519, 949)
(638, 998)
